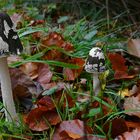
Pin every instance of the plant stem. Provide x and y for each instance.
(6, 89)
(96, 84)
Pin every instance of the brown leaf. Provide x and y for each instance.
(38, 120)
(39, 72)
(118, 65)
(72, 74)
(68, 74)
(55, 39)
(69, 130)
(132, 103)
(134, 135)
(133, 125)
(44, 75)
(31, 69)
(134, 47)
(23, 87)
(73, 126)
(46, 103)
(117, 126)
(67, 134)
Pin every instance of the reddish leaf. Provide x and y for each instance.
(68, 74)
(38, 71)
(52, 39)
(72, 74)
(23, 87)
(46, 103)
(69, 130)
(36, 22)
(37, 35)
(122, 75)
(38, 120)
(117, 126)
(118, 65)
(132, 125)
(31, 69)
(134, 135)
(117, 61)
(67, 134)
(55, 39)
(44, 75)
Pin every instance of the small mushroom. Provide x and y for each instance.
(95, 64)
(9, 44)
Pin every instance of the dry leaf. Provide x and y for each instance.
(72, 74)
(39, 120)
(44, 75)
(46, 103)
(118, 65)
(134, 135)
(23, 88)
(134, 47)
(73, 129)
(132, 103)
(117, 126)
(31, 69)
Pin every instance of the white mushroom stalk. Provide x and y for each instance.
(95, 64)
(9, 44)
(6, 89)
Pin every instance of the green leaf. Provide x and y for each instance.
(49, 62)
(62, 19)
(90, 35)
(31, 30)
(94, 112)
(50, 91)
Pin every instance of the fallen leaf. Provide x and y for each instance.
(56, 39)
(117, 61)
(115, 127)
(72, 74)
(68, 74)
(132, 106)
(134, 135)
(23, 88)
(31, 69)
(118, 65)
(134, 47)
(68, 130)
(66, 134)
(39, 120)
(46, 103)
(133, 125)
(44, 75)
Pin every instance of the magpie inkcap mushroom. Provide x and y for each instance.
(95, 64)
(9, 45)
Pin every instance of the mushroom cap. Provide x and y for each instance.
(9, 39)
(96, 61)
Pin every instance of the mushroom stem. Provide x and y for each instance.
(96, 84)
(6, 89)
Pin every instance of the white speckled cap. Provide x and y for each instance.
(9, 39)
(96, 61)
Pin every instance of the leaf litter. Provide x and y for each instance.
(40, 81)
